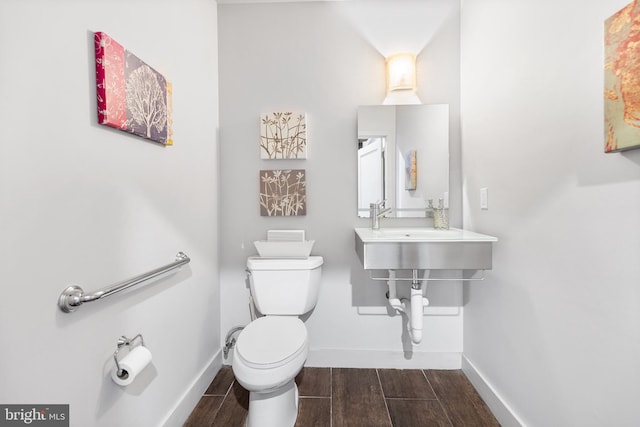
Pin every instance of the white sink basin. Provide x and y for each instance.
(423, 248)
(419, 234)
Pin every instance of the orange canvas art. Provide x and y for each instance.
(622, 79)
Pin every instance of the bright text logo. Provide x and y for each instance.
(34, 415)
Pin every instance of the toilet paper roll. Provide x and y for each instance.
(132, 364)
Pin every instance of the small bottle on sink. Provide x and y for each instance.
(441, 216)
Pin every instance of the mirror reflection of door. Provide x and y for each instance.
(418, 131)
(371, 161)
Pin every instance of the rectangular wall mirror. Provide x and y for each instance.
(403, 157)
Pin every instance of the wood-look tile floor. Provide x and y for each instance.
(338, 397)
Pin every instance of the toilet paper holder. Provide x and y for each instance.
(123, 341)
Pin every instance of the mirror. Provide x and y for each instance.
(403, 157)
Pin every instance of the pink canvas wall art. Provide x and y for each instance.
(131, 95)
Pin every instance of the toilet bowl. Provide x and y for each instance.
(271, 350)
(269, 353)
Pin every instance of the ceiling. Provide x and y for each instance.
(391, 26)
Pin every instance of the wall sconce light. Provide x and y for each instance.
(401, 72)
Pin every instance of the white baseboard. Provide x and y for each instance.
(500, 409)
(383, 359)
(190, 398)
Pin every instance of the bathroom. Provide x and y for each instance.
(553, 330)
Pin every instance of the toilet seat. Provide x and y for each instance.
(271, 341)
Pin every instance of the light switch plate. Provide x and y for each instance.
(484, 198)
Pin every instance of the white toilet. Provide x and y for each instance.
(271, 350)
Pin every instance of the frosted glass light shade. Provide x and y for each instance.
(401, 72)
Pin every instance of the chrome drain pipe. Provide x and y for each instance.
(412, 307)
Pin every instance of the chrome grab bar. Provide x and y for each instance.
(74, 296)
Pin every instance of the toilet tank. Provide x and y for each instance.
(284, 286)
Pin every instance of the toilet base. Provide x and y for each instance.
(278, 408)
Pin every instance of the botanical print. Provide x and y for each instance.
(283, 136)
(132, 96)
(283, 192)
(622, 79)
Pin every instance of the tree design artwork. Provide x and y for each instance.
(131, 95)
(146, 100)
(283, 136)
(146, 92)
(283, 192)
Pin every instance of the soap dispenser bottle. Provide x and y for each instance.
(441, 216)
(429, 209)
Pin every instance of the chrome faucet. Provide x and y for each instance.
(376, 211)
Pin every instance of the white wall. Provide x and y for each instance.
(555, 327)
(316, 57)
(85, 204)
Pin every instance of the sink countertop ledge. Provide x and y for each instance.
(420, 234)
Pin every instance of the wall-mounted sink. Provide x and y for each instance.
(423, 248)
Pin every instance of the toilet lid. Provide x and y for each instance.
(271, 340)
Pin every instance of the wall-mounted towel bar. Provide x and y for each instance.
(430, 279)
(74, 296)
